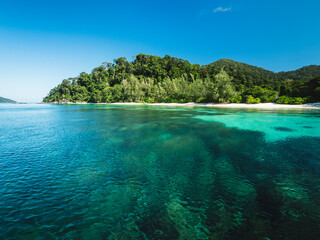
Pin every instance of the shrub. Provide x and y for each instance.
(291, 100)
(237, 99)
(264, 94)
(149, 100)
(200, 100)
(252, 100)
(283, 100)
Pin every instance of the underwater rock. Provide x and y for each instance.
(290, 190)
(233, 182)
(284, 129)
(190, 225)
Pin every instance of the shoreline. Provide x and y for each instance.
(221, 105)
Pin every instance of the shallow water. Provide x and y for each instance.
(158, 172)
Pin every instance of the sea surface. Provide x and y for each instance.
(158, 172)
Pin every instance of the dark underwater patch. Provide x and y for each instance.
(283, 129)
(307, 127)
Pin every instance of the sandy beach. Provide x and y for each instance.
(216, 105)
(228, 105)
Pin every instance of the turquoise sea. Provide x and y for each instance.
(158, 172)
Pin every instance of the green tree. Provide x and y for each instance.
(224, 89)
(169, 79)
(252, 100)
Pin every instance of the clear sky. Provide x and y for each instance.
(44, 42)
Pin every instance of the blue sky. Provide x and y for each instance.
(44, 42)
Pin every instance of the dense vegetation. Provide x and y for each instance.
(303, 74)
(6, 100)
(154, 79)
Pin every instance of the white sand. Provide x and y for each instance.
(232, 105)
(224, 105)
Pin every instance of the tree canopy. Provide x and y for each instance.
(169, 79)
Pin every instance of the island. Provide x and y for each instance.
(153, 79)
(6, 100)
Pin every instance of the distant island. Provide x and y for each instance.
(153, 79)
(6, 100)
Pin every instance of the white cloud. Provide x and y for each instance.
(221, 9)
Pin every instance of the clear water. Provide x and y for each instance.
(155, 172)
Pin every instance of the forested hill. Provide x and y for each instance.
(6, 100)
(251, 75)
(242, 73)
(303, 74)
(168, 79)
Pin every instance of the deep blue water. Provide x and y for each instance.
(156, 172)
